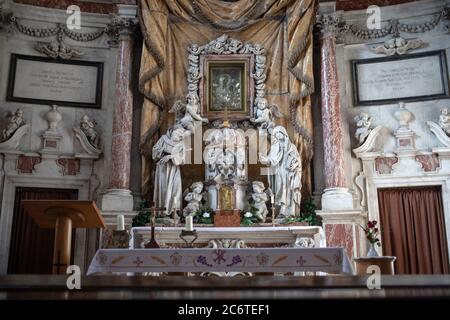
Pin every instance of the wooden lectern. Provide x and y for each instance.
(63, 215)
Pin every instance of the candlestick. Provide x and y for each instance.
(120, 223)
(189, 223)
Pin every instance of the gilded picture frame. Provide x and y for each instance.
(226, 87)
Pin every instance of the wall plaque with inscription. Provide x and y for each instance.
(52, 81)
(413, 77)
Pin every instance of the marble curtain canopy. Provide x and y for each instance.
(283, 27)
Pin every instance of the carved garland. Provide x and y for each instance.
(332, 23)
(112, 30)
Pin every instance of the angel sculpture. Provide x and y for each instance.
(58, 50)
(88, 128)
(444, 121)
(398, 46)
(363, 122)
(187, 115)
(259, 198)
(15, 121)
(194, 196)
(265, 114)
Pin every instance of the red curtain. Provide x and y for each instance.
(413, 229)
(31, 248)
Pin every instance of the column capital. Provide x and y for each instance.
(330, 25)
(123, 24)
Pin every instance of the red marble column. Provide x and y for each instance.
(331, 109)
(122, 121)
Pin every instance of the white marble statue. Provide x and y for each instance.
(265, 114)
(285, 175)
(363, 122)
(15, 122)
(444, 121)
(169, 153)
(187, 115)
(259, 200)
(193, 196)
(88, 128)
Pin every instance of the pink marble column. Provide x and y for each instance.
(331, 107)
(122, 121)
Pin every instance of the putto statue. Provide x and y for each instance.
(169, 153)
(265, 114)
(259, 198)
(187, 114)
(285, 175)
(15, 122)
(363, 122)
(444, 121)
(88, 128)
(194, 196)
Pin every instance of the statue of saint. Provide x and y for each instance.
(169, 152)
(285, 172)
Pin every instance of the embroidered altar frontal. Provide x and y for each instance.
(329, 260)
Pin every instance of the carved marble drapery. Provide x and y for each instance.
(284, 27)
(331, 106)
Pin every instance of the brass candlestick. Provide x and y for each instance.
(189, 234)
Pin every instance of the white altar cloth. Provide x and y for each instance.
(329, 260)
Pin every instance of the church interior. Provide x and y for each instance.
(224, 149)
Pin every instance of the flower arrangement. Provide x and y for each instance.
(204, 215)
(371, 231)
(248, 216)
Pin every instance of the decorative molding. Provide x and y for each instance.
(360, 182)
(57, 50)
(369, 143)
(398, 46)
(439, 133)
(87, 147)
(26, 164)
(14, 142)
(331, 25)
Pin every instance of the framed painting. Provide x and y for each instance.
(226, 88)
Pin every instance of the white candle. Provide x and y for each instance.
(120, 222)
(189, 223)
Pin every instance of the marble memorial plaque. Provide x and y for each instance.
(402, 78)
(48, 81)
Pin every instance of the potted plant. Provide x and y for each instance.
(371, 230)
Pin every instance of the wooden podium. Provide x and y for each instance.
(63, 215)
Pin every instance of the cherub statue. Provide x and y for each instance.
(15, 122)
(265, 114)
(88, 128)
(186, 115)
(194, 196)
(444, 121)
(259, 198)
(363, 122)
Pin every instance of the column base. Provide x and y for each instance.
(337, 199)
(117, 200)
